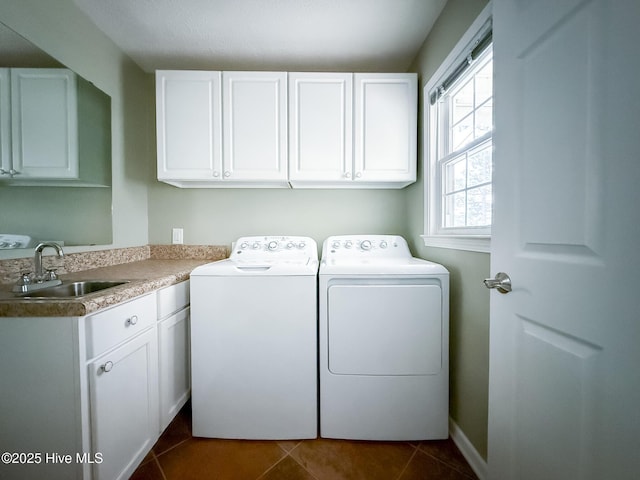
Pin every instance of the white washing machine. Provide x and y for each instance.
(383, 339)
(254, 341)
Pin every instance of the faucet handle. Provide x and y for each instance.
(50, 275)
(25, 279)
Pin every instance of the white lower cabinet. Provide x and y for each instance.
(43, 407)
(122, 371)
(174, 350)
(87, 397)
(123, 386)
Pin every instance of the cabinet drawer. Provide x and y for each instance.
(173, 298)
(110, 327)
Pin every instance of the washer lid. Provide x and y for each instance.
(228, 268)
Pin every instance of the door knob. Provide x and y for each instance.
(501, 282)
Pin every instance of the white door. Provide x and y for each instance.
(565, 343)
(255, 126)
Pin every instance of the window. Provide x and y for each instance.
(458, 146)
(463, 157)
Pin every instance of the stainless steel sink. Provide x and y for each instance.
(74, 289)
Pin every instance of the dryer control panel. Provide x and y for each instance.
(370, 246)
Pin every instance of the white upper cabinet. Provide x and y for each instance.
(231, 129)
(320, 128)
(38, 124)
(189, 126)
(221, 129)
(254, 122)
(368, 141)
(385, 128)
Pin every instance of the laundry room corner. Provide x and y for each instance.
(469, 312)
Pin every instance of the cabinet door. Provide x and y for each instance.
(255, 126)
(385, 134)
(123, 386)
(175, 374)
(5, 125)
(188, 122)
(44, 123)
(320, 127)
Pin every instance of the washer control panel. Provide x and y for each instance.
(273, 248)
(360, 246)
(11, 241)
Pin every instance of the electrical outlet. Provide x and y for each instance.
(177, 236)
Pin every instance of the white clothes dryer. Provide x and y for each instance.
(254, 341)
(383, 339)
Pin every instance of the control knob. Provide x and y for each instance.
(272, 245)
(348, 244)
(301, 245)
(365, 245)
(256, 245)
(383, 244)
(335, 244)
(244, 245)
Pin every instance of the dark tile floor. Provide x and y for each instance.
(178, 455)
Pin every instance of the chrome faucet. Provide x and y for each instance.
(39, 280)
(37, 259)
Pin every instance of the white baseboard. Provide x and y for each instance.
(476, 462)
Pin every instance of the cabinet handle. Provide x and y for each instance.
(107, 366)
(227, 174)
(359, 174)
(132, 320)
(347, 175)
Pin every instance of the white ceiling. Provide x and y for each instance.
(284, 35)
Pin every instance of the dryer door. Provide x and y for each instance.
(384, 329)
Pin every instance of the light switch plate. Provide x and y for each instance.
(177, 236)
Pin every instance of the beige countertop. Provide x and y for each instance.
(142, 277)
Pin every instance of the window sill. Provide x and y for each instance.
(470, 243)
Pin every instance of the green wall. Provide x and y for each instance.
(220, 216)
(469, 299)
